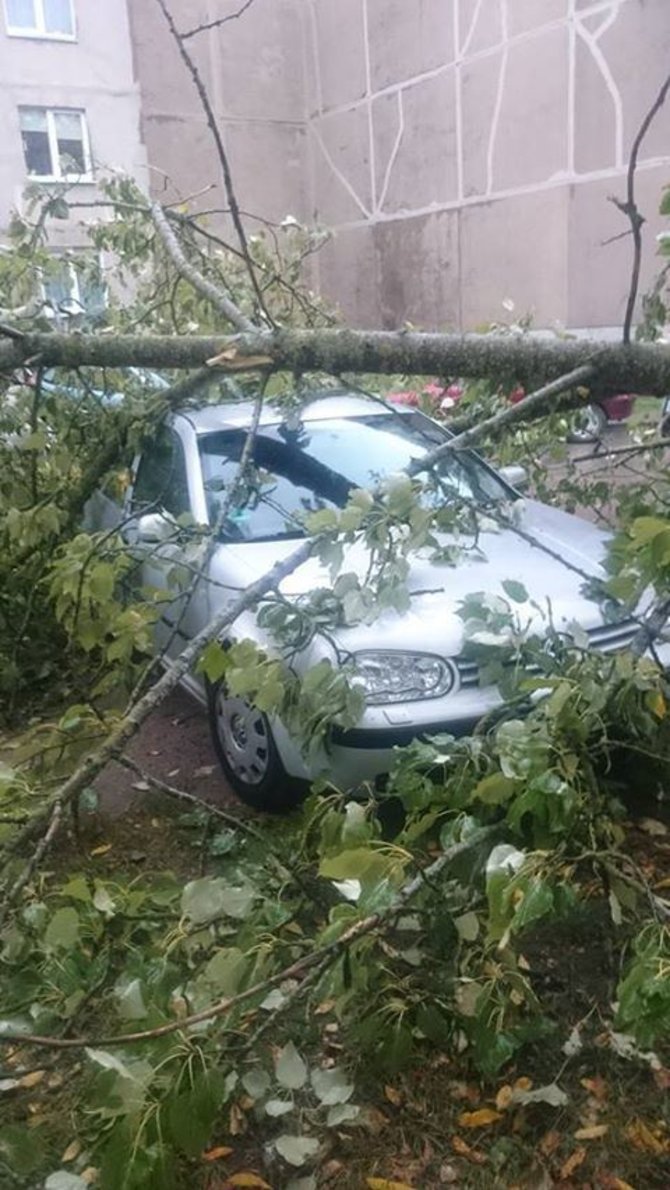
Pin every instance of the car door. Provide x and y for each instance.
(159, 497)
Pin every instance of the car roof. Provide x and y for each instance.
(320, 406)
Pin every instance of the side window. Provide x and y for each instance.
(161, 484)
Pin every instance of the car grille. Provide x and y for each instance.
(606, 638)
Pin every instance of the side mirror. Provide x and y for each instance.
(152, 527)
(516, 476)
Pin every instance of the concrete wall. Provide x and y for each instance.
(94, 73)
(464, 152)
(252, 69)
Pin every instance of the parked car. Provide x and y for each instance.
(412, 667)
(587, 425)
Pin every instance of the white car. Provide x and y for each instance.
(416, 679)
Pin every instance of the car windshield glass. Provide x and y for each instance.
(296, 472)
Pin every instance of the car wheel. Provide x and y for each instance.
(248, 755)
(588, 425)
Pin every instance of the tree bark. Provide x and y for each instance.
(636, 368)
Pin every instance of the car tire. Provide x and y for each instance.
(588, 425)
(246, 750)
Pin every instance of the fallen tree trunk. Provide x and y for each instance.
(637, 368)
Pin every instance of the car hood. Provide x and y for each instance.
(554, 571)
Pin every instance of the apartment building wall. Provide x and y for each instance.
(93, 73)
(253, 70)
(464, 152)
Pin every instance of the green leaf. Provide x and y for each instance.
(213, 661)
(256, 1082)
(103, 902)
(342, 1113)
(62, 1179)
(62, 932)
(494, 789)
(296, 1149)
(537, 902)
(331, 1086)
(130, 1002)
(290, 1069)
(358, 863)
(20, 1149)
(515, 590)
(210, 897)
(467, 926)
(224, 972)
(278, 1107)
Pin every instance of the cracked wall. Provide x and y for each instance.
(464, 152)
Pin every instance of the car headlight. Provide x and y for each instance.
(402, 677)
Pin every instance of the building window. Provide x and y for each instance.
(55, 144)
(41, 18)
(73, 287)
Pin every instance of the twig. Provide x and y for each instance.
(115, 743)
(296, 970)
(188, 271)
(11, 332)
(631, 210)
(232, 820)
(35, 859)
(233, 16)
(223, 156)
(491, 427)
(191, 799)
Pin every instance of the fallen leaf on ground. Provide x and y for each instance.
(384, 1184)
(325, 1007)
(653, 827)
(573, 1162)
(523, 1083)
(392, 1095)
(550, 1142)
(504, 1097)
(73, 1150)
(595, 1086)
(217, 1153)
(480, 1118)
(247, 1179)
(89, 1175)
(237, 1121)
(641, 1137)
(374, 1120)
(662, 1078)
(448, 1174)
(32, 1079)
(101, 850)
(609, 1181)
(593, 1132)
(463, 1149)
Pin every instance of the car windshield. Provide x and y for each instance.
(296, 472)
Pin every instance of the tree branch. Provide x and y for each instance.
(188, 271)
(638, 367)
(296, 970)
(223, 156)
(233, 16)
(112, 747)
(631, 210)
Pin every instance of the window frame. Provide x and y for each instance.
(39, 31)
(85, 178)
(74, 305)
(179, 462)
